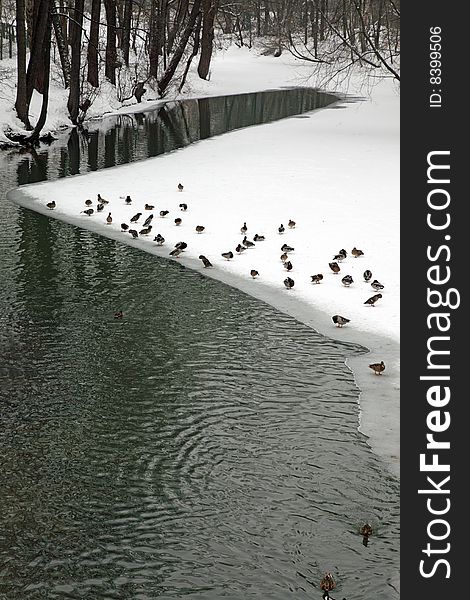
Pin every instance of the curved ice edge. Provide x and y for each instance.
(379, 410)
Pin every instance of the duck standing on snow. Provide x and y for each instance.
(109, 219)
(347, 280)
(181, 245)
(291, 224)
(163, 213)
(145, 230)
(101, 200)
(227, 255)
(128, 200)
(239, 249)
(254, 273)
(334, 266)
(199, 228)
(247, 243)
(159, 239)
(377, 286)
(88, 211)
(339, 321)
(100, 207)
(281, 228)
(288, 265)
(286, 248)
(284, 257)
(148, 220)
(356, 253)
(124, 226)
(205, 261)
(371, 301)
(178, 221)
(258, 238)
(180, 187)
(176, 252)
(51, 205)
(378, 367)
(289, 283)
(339, 257)
(367, 275)
(316, 278)
(88, 202)
(136, 217)
(243, 229)
(149, 207)
(183, 206)
(133, 233)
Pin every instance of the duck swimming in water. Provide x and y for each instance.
(366, 532)
(118, 314)
(378, 368)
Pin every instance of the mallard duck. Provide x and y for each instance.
(109, 219)
(377, 286)
(327, 583)
(159, 239)
(89, 202)
(180, 187)
(205, 261)
(149, 207)
(178, 221)
(254, 273)
(176, 252)
(373, 299)
(334, 266)
(258, 238)
(289, 283)
(88, 211)
(281, 228)
(124, 226)
(101, 200)
(367, 275)
(133, 233)
(148, 220)
(316, 278)
(288, 265)
(366, 532)
(247, 243)
(339, 321)
(181, 245)
(291, 224)
(51, 205)
(240, 249)
(128, 200)
(347, 280)
(163, 213)
(145, 230)
(284, 257)
(356, 253)
(339, 257)
(199, 228)
(99, 208)
(377, 367)
(136, 217)
(183, 206)
(118, 314)
(227, 255)
(286, 248)
(243, 229)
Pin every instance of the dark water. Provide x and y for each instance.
(205, 446)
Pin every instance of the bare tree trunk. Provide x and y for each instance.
(92, 76)
(35, 73)
(111, 54)
(21, 104)
(61, 44)
(76, 46)
(126, 31)
(209, 10)
(153, 47)
(46, 51)
(197, 40)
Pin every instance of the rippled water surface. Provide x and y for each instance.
(204, 447)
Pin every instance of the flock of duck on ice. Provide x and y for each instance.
(146, 229)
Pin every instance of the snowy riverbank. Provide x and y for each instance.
(336, 173)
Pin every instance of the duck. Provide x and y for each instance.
(254, 273)
(99, 208)
(159, 239)
(376, 285)
(243, 229)
(180, 187)
(88, 202)
(181, 245)
(118, 314)
(289, 283)
(88, 211)
(176, 252)
(288, 265)
(378, 368)
(183, 206)
(327, 583)
(247, 243)
(291, 224)
(227, 255)
(163, 213)
(373, 299)
(286, 248)
(240, 249)
(199, 228)
(145, 230)
(149, 207)
(124, 226)
(178, 221)
(339, 321)
(339, 257)
(367, 275)
(128, 200)
(258, 238)
(347, 280)
(109, 219)
(316, 278)
(284, 257)
(51, 205)
(343, 252)
(148, 220)
(101, 200)
(281, 228)
(205, 261)
(136, 217)
(334, 266)
(356, 253)
(366, 532)
(133, 233)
